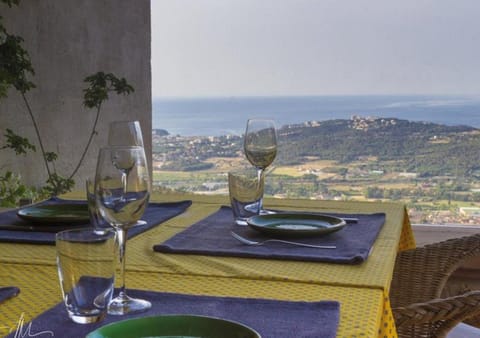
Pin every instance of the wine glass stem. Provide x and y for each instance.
(122, 245)
(124, 182)
(259, 179)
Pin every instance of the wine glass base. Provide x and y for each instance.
(136, 224)
(267, 212)
(123, 305)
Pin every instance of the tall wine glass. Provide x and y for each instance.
(260, 146)
(122, 191)
(125, 133)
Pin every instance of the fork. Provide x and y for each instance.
(250, 242)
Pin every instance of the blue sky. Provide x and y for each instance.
(315, 47)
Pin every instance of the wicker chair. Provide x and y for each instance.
(420, 276)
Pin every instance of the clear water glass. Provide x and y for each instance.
(86, 264)
(246, 193)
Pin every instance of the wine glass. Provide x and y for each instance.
(122, 191)
(126, 133)
(260, 146)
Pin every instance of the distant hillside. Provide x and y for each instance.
(426, 148)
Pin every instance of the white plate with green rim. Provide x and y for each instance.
(296, 224)
(70, 213)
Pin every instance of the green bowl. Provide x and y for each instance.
(175, 326)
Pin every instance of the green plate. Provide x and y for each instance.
(174, 326)
(296, 224)
(56, 214)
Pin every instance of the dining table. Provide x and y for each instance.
(361, 288)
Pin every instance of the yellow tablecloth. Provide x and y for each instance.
(361, 289)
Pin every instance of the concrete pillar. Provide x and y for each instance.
(69, 40)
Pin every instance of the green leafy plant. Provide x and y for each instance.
(15, 70)
(15, 64)
(12, 190)
(19, 144)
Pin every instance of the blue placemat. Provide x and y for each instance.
(211, 236)
(155, 214)
(270, 318)
(7, 292)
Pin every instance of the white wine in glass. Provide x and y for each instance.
(260, 146)
(122, 192)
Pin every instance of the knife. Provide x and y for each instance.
(39, 228)
(16, 227)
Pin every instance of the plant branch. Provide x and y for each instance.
(100, 84)
(37, 131)
(90, 139)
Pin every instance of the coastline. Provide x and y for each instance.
(217, 116)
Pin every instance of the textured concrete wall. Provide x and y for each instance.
(67, 41)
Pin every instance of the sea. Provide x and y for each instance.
(216, 116)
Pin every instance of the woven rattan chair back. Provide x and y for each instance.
(418, 280)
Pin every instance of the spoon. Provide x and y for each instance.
(250, 242)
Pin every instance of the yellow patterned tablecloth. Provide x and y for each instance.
(361, 289)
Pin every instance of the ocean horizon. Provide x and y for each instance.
(215, 116)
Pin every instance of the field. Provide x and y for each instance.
(322, 179)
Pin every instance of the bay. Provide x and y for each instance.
(228, 115)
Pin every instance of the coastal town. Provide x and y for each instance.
(199, 164)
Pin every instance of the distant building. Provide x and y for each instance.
(377, 172)
(470, 211)
(408, 175)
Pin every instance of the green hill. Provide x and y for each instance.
(425, 148)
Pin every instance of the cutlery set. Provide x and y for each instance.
(348, 220)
